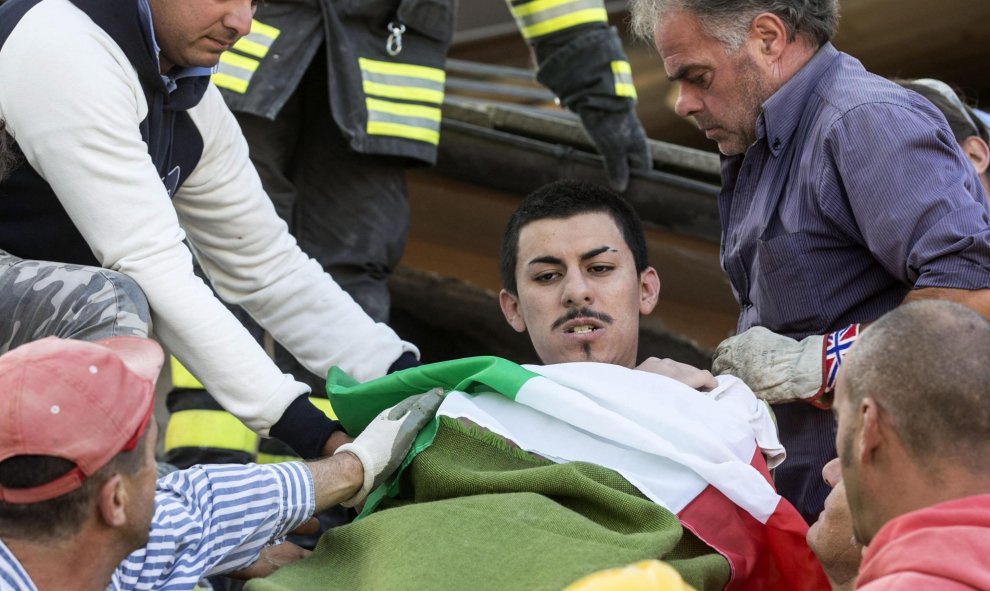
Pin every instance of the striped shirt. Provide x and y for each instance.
(208, 520)
(854, 192)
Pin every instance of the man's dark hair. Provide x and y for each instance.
(925, 363)
(565, 199)
(62, 516)
(729, 21)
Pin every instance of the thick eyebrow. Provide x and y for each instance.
(682, 72)
(551, 260)
(595, 252)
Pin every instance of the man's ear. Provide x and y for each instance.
(112, 502)
(978, 153)
(768, 34)
(510, 309)
(871, 435)
(649, 290)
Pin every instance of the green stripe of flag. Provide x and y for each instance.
(357, 404)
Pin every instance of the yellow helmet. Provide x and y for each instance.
(646, 575)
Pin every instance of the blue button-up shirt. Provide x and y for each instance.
(854, 192)
(208, 520)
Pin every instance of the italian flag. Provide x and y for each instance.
(703, 456)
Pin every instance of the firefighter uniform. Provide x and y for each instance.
(337, 97)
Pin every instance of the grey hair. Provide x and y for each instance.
(728, 21)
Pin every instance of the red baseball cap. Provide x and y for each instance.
(81, 401)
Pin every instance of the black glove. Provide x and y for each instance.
(620, 140)
(577, 64)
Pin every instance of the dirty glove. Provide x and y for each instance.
(780, 369)
(621, 141)
(384, 443)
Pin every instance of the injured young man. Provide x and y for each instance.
(532, 477)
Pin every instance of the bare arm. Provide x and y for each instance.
(976, 299)
(336, 479)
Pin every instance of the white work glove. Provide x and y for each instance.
(384, 443)
(780, 369)
(777, 368)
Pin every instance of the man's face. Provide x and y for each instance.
(579, 294)
(831, 537)
(142, 486)
(195, 32)
(723, 92)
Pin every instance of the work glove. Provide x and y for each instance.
(780, 369)
(620, 139)
(384, 443)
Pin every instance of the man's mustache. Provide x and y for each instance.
(575, 313)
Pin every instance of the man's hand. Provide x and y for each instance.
(777, 368)
(384, 443)
(699, 379)
(620, 140)
(270, 560)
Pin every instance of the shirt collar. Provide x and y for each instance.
(782, 112)
(144, 9)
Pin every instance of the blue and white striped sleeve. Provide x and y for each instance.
(215, 519)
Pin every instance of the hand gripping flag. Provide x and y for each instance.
(700, 455)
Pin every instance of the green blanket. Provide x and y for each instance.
(476, 514)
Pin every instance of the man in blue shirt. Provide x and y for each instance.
(79, 506)
(842, 196)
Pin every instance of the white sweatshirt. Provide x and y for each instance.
(74, 103)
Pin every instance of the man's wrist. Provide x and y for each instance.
(405, 361)
(337, 479)
(835, 346)
(304, 428)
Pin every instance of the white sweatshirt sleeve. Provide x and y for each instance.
(74, 104)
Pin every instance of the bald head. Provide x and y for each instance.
(926, 364)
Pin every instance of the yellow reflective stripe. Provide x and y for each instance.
(536, 6)
(258, 41)
(260, 28)
(216, 429)
(404, 131)
(245, 45)
(411, 93)
(622, 73)
(394, 69)
(181, 378)
(580, 17)
(324, 405)
(626, 90)
(238, 85)
(234, 72)
(239, 61)
(404, 110)
(415, 122)
(621, 67)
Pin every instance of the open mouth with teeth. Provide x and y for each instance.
(582, 329)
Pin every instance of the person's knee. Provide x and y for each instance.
(132, 313)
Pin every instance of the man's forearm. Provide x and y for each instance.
(976, 299)
(336, 479)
